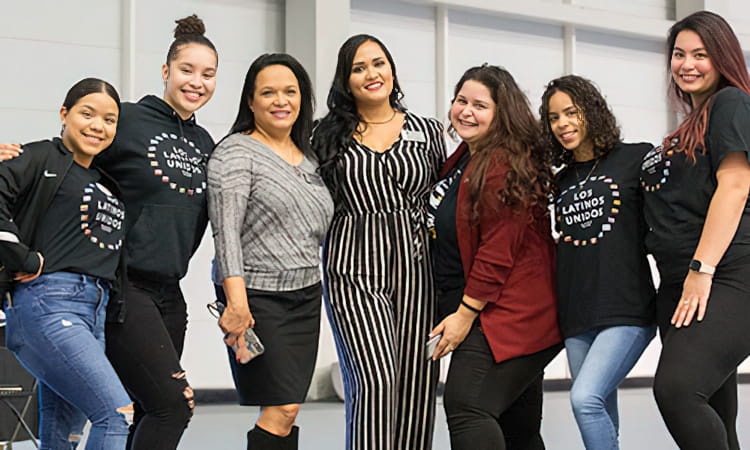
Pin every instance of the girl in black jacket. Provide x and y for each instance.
(159, 159)
(61, 231)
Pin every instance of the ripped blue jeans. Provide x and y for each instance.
(55, 327)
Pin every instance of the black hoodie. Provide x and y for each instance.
(159, 161)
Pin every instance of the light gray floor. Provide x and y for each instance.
(322, 425)
(223, 427)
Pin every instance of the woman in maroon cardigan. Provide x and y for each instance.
(494, 267)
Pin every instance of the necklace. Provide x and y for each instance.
(383, 122)
(582, 181)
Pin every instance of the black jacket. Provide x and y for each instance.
(28, 185)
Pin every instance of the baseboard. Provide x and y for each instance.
(229, 396)
(215, 396)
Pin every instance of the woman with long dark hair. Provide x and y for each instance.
(696, 189)
(61, 231)
(495, 265)
(379, 160)
(605, 294)
(269, 211)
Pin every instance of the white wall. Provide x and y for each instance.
(662, 9)
(44, 54)
(409, 33)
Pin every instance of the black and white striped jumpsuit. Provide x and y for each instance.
(380, 296)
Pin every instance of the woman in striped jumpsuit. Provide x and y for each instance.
(379, 161)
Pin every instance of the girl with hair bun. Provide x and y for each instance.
(159, 158)
(61, 231)
(696, 196)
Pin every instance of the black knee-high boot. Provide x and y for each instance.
(260, 439)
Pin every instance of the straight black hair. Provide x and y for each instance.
(302, 128)
(89, 86)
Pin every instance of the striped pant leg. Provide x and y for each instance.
(414, 304)
(363, 328)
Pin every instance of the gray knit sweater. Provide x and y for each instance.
(268, 217)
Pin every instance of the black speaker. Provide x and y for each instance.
(12, 373)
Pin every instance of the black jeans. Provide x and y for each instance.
(145, 351)
(696, 380)
(494, 406)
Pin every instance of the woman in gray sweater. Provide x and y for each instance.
(269, 212)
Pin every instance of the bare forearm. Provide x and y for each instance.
(234, 288)
(722, 220)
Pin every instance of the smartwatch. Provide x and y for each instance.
(701, 267)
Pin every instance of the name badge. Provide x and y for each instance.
(413, 135)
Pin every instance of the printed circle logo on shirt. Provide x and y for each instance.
(102, 217)
(179, 163)
(655, 168)
(587, 210)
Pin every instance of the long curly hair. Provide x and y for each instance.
(593, 112)
(333, 133)
(725, 52)
(512, 138)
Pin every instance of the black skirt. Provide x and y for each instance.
(288, 325)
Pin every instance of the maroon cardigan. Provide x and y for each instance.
(509, 263)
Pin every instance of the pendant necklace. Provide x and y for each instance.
(582, 181)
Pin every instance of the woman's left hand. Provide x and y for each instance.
(454, 329)
(695, 292)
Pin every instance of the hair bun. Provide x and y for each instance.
(189, 25)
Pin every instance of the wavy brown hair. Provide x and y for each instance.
(512, 138)
(593, 112)
(723, 47)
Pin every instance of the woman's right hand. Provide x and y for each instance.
(9, 151)
(234, 321)
(236, 317)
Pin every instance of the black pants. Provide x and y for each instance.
(145, 351)
(494, 406)
(696, 380)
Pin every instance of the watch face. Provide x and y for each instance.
(695, 265)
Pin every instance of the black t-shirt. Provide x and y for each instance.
(678, 191)
(441, 223)
(82, 230)
(603, 276)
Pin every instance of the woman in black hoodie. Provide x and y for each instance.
(159, 159)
